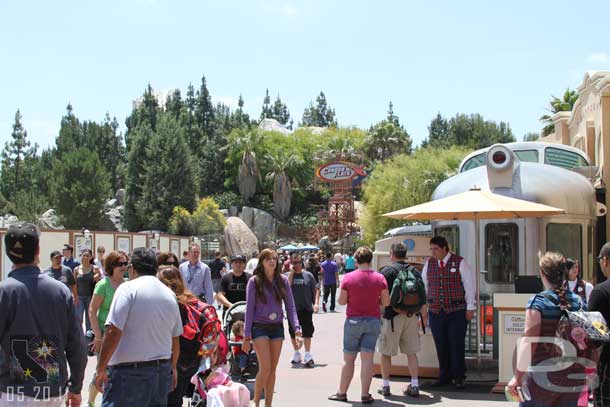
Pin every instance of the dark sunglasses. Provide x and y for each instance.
(122, 263)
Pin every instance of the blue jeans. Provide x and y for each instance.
(360, 334)
(143, 387)
(83, 307)
(273, 332)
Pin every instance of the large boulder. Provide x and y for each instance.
(120, 197)
(262, 223)
(50, 220)
(239, 239)
(113, 219)
(273, 125)
(8, 220)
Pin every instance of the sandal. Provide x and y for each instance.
(367, 399)
(338, 397)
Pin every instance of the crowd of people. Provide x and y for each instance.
(138, 310)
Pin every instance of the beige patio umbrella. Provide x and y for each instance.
(475, 204)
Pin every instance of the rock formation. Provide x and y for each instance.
(239, 239)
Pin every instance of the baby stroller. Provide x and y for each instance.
(237, 312)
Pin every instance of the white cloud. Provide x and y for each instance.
(227, 100)
(599, 58)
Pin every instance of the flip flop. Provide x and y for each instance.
(367, 399)
(338, 397)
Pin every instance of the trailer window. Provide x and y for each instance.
(452, 235)
(501, 248)
(474, 162)
(565, 238)
(563, 158)
(530, 156)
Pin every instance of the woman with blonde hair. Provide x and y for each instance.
(188, 361)
(542, 315)
(265, 293)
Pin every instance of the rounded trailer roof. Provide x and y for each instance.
(541, 183)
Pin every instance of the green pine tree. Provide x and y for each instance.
(170, 179)
(135, 216)
(79, 189)
(320, 114)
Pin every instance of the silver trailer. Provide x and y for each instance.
(511, 247)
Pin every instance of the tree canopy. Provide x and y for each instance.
(403, 181)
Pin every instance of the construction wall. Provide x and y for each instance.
(55, 239)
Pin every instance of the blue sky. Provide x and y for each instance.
(501, 59)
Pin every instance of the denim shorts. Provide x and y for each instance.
(360, 334)
(270, 331)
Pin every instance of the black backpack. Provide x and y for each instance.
(408, 293)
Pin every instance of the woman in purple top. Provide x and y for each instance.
(266, 291)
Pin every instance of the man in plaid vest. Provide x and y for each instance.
(451, 291)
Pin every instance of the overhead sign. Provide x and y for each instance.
(514, 324)
(338, 171)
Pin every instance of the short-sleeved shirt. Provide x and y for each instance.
(314, 268)
(350, 263)
(330, 272)
(216, 267)
(104, 289)
(600, 301)
(63, 275)
(234, 287)
(303, 290)
(71, 262)
(364, 289)
(147, 313)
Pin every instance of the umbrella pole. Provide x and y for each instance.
(478, 288)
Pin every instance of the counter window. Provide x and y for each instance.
(565, 238)
(501, 247)
(452, 234)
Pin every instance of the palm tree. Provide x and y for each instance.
(385, 140)
(565, 104)
(248, 173)
(339, 148)
(282, 187)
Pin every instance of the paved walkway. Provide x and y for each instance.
(298, 387)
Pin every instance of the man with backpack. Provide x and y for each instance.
(400, 322)
(451, 293)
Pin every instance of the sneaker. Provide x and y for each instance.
(308, 360)
(385, 391)
(412, 391)
(296, 358)
(324, 306)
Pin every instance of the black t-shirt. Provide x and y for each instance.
(390, 273)
(314, 268)
(62, 274)
(600, 301)
(234, 287)
(215, 267)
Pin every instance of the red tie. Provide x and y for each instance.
(442, 264)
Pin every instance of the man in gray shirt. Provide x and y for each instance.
(62, 273)
(137, 362)
(305, 291)
(39, 333)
